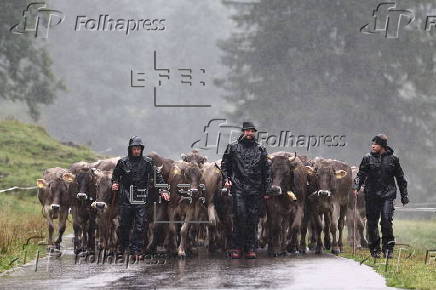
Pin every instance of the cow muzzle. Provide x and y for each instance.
(324, 193)
(82, 196)
(276, 190)
(99, 205)
(55, 206)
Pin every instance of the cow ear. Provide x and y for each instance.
(309, 170)
(183, 156)
(40, 183)
(68, 177)
(94, 171)
(340, 174)
(205, 159)
(176, 170)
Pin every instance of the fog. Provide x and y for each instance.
(288, 66)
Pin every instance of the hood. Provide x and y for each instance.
(135, 141)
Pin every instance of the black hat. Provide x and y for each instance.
(247, 126)
(381, 140)
(135, 141)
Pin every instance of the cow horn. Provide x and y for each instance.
(269, 156)
(340, 174)
(292, 158)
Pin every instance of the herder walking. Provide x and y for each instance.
(247, 172)
(376, 172)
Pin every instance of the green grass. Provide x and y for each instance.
(25, 152)
(411, 273)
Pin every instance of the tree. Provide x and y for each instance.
(25, 66)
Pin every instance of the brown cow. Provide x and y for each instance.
(330, 200)
(187, 195)
(83, 191)
(107, 211)
(360, 216)
(106, 164)
(285, 206)
(54, 196)
(219, 208)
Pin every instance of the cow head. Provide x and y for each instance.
(194, 157)
(325, 176)
(84, 185)
(282, 167)
(103, 188)
(56, 191)
(191, 175)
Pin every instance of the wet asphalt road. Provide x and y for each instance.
(199, 272)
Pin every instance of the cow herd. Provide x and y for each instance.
(310, 202)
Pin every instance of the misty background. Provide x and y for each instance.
(299, 66)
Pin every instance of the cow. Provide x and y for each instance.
(106, 164)
(359, 223)
(330, 200)
(107, 211)
(157, 231)
(83, 194)
(219, 208)
(54, 196)
(187, 195)
(285, 205)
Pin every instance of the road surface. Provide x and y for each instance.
(200, 272)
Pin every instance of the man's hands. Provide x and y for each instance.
(165, 195)
(404, 200)
(355, 192)
(228, 184)
(115, 186)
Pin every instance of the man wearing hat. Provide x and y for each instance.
(247, 172)
(376, 172)
(132, 176)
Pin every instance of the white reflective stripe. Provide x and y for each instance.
(20, 188)
(422, 209)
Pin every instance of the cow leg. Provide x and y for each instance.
(295, 227)
(350, 224)
(327, 225)
(50, 225)
(341, 223)
(361, 231)
(77, 231)
(184, 233)
(61, 226)
(157, 229)
(172, 242)
(91, 232)
(317, 225)
(334, 228)
(274, 225)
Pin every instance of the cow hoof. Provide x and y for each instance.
(295, 253)
(318, 251)
(336, 251)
